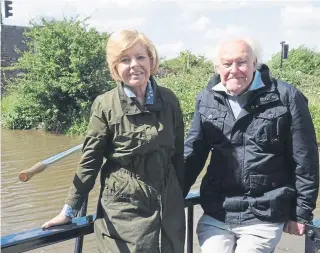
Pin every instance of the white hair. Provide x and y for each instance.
(254, 45)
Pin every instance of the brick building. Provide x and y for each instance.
(12, 38)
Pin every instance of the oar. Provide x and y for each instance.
(27, 174)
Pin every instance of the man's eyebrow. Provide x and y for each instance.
(236, 59)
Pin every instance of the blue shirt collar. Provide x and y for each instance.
(257, 82)
(149, 98)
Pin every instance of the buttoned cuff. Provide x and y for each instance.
(69, 211)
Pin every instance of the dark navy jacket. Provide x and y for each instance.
(264, 165)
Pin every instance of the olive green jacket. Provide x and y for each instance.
(140, 153)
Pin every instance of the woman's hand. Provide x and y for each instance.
(60, 219)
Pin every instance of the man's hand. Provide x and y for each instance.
(294, 228)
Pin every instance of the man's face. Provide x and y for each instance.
(236, 66)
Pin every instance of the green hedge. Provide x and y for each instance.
(65, 71)
(186, 86)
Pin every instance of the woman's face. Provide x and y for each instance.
(135, 66)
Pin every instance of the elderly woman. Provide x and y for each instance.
(137, 127)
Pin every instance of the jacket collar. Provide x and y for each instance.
(130, 106)
(149, 97)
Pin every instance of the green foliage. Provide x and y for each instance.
(186, 86)
(19, 112)
(65, 70)
(185, 75)
(295, 78)
(185, 62)
(300, 60)
(79, 127)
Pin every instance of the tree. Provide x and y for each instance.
(187, 61)
(186, 83)
(65, 69)
(302, 60)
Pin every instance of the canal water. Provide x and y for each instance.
(27, 205)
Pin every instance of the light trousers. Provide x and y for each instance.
(218, 237)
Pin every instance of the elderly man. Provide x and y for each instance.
(263, 176)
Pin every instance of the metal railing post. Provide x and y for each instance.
(78, 228)
(79, 240)
(190, 229)
(312, 239)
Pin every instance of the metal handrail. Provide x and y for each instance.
(27, 174)
(36, 235)
(37, 238)
(83, 225)
(79, 227)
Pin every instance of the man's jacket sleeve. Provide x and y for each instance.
(305, 159)
(196, 150)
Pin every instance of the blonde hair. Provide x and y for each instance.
(124, 39)
(254, 46)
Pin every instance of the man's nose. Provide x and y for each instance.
(234, 67)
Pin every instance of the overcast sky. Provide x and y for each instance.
(195, 25)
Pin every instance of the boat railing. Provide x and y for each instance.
(27, 174)
(83, 225)
(78, 228)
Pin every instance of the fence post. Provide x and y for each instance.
(190, 229)
(79, 240)
(312, 239)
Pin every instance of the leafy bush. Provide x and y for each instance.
(65, 70)
(295, 78)
(79, 126)
(186, 75)
(301, 59)
(186, 61)
(19, 112)
(186, 86)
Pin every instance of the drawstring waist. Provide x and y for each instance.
(157, 178)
